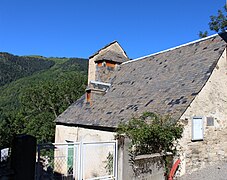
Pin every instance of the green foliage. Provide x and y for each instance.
(109, 163)
(203, 34)
(31, 104)
(217, 23)
(9, 125)
(151, 133)
(42, 103)
(15, 67)
(53, 95)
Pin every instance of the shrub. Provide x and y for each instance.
(152, 133)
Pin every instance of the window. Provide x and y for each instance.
(197, 128)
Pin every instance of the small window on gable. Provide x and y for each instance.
(197, 128)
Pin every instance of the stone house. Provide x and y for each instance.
(188, 82)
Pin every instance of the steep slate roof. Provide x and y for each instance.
(112, 56)
(165, 83)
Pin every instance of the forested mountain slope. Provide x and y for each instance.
(14, 67)
(30, 104)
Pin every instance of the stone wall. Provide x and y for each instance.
(211, 104)
(103, 73)
(143, 167)
(148, 167)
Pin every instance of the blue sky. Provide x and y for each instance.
(78, 28)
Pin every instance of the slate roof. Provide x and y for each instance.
(164, 83)
(112, 56)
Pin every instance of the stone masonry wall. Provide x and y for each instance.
(149, 167)
(104, 73)
(142, 167)
(210, 103)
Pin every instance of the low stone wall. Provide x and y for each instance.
(143, 167)
(146, 167)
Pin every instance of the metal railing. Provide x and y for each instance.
(77, 161)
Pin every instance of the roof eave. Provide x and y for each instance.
(97, 127)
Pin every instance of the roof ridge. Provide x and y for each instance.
(170, 49)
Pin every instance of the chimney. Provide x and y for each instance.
(96, 89)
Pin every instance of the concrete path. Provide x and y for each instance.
(215, 172)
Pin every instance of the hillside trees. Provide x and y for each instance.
(31, 104)
(46, 101)
(14, 67)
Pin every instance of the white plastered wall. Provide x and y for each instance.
(77, 134)
(95, 156)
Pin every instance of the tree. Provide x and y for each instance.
(43, 102)
(203, 34)
(217, 23)
(10, 125)
(31, 104)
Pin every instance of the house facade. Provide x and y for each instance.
(188, 82)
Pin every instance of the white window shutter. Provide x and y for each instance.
(197, 128)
